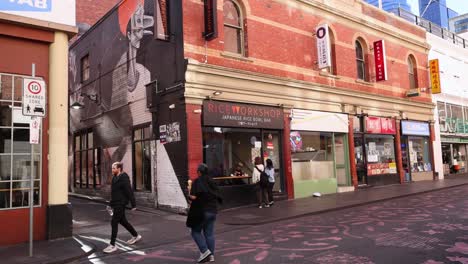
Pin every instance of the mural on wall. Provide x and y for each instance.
(452, 118)
(124, 55)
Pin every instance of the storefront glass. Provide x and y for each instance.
(380, 154)
(419, 155)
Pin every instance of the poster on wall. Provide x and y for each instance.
(372, 153)
(381, 168)
(162, 134)
(173, 132)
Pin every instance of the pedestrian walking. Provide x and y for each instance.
(260, 179)
(121, 194)
(270, 171)
(204, 198)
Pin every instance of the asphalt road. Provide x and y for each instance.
(430, 228)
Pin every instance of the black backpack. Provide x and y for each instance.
(263, 177)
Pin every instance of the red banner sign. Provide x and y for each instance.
(380, 125)
(380, 61)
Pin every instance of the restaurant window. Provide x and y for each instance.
(18, 160)
(412, 72)
(85, 71)
(380, 154)
(142, 158)
(419, 154)
(87, 172)
(231, 151)
(233, 27)
(360, 60)
(161, 26)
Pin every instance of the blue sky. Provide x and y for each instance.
(460, 6)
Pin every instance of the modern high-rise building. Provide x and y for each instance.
(436, 11)
(459, 25)
(391, 5)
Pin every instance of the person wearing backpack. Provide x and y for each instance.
(260, 178)
(270, 170)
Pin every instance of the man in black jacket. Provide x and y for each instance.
(121, 194)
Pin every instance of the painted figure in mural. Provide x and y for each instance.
(270, 171)
(204, 197)
(121, 195)
(262, 191)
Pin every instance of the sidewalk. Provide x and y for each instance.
(289, 209)
(172, 226)
(50, 252)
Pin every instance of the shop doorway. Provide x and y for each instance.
(272, 150)
(360, 160)
(341, 160)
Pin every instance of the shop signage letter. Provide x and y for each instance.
(380, 61)
(211, 25)
(323, 46)
(435, 77)
(26, 5)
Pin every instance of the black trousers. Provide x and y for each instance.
(270, 191)
(119, 218)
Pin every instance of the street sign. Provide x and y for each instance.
(34, 97)
(34, 129)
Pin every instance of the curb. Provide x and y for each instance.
(71, 259)
(260, 222)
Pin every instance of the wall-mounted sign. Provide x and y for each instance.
(381, 168)
(323, 46)
(216, 113)
(34, 130)
(435, 77)
(58, 11)
(414, 128)
(380, 61)
(307, 120)
(211, 25)
(380, 125)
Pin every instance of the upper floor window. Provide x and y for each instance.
(413, 83)
(233, 28)
(161, 27)
(331, 39)
(360, 60)
(85, 68)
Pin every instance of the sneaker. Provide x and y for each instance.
(271, 203)
(133, 240)
(260, 206)
(204, 256)
(267, 205)
(211, 258)
(110, 249)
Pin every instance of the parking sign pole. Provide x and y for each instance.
(31, 191)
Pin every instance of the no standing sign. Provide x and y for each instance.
(34, 97)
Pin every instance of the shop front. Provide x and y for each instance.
(234, 135)
(374, 150)
(319, 152)
(415, 151)
(454, 156)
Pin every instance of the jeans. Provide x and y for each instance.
(262, 194)
(270, 191)
(119, 218)
(207, 240)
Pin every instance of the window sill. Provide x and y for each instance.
(235, 56)
(329, 75)
(364, 82)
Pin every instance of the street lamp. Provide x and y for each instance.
(92, 97)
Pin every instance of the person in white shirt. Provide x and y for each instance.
(270, 171)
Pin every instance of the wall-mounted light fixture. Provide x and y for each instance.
(216, 93)
(92, 97)
(171, 106)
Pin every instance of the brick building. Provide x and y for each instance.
(254, 86)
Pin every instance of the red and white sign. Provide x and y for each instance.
(34, 97)
(34, 129)
(380, 125)
(380, 61)
(323, 46)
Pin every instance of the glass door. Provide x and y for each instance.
(272, 150)
(341, 160)
(359, 159)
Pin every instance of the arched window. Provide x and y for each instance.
(332, 52)
(360, 61)
(413, 79)
(233, 27)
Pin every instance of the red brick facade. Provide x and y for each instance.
(90, 11)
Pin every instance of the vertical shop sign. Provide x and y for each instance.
(162, 134)
(210, 13)
(380, 61)
(323, 46)
(435, 77)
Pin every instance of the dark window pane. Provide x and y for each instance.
(5, 113)
(5, 188)
(5, 140)
(77, 143)
(147, 133)
(359, 53)
(162, 20)
(360, 70)
(147, 165)
(6, 84)
(21, 141)
(18, 94)
(83, 141)
(20, 197)
(90, 169)
(83, 169)
(97, 167)
(77, 165)
(5, 167)
(137, 134)
(139, 166)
